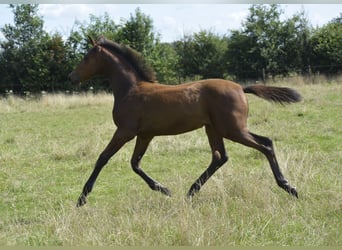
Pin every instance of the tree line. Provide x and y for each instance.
(33, 60)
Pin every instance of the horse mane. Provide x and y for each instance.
(133, 57)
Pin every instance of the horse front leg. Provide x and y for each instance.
(139, 151)
(119, 139)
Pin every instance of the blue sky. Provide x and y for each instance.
(172, 21)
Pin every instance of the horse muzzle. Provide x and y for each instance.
(74, 78)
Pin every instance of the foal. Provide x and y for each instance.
(144, 109)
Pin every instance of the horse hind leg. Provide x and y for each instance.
(219, 157)
(265, 146)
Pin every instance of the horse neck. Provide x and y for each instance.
(121, 86)
(122, 76)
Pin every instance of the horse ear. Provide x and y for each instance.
(101, 39)
(91, 40)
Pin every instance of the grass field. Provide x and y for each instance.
(48, 147)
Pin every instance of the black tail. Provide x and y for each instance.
(274, 94)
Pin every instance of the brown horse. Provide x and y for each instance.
(144, 109)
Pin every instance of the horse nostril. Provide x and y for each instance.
(74, 78)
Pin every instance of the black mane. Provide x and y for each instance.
(133, 57)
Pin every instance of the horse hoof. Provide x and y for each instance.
(293, 192)
(81, 201)
(189, 197)
(191, 194)
(163, 190)
(166, 191)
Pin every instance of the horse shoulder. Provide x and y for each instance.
(127, 110)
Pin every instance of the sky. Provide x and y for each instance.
(172, 21)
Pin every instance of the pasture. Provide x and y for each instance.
(48, 147)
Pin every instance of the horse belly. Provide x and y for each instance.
(171, 121)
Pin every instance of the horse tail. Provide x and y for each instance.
(274, 94)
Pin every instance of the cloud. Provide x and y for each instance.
(172, 21)
(62, 17)
(172, 25)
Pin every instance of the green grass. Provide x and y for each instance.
(48, 148)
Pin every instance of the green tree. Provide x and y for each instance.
(260, 48)
(31, 59)
(263, 26)
(138, 33)
(78, 44)
(184, 49)
(209, 54)
(302, 44)
(241, 57)
(164, 61)
(269, 46)
(22, 54)
(294, 45)
(202, 55)
(327, 48)
(57, 63)
(97, 26)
